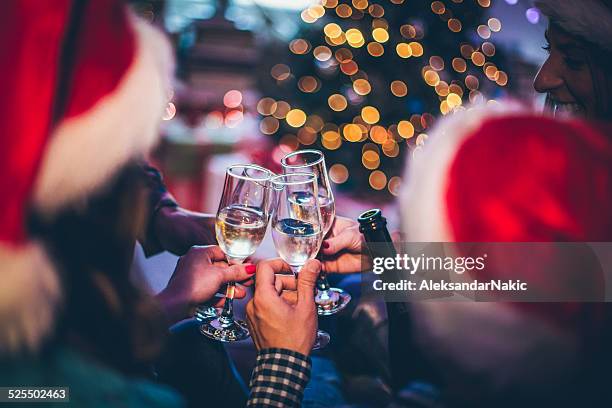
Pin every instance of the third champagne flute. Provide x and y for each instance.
(297, 229)
(329, 300)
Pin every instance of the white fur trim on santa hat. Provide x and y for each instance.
(422, 199)
(473, 340)
(86, 151)
(29, 294)
(587, 19)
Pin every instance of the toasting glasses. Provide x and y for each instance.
(241, 224)
(297, 227)
(329, 300)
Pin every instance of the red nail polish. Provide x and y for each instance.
(250, 269)
(325, 244)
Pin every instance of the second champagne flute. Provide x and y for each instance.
(241, 224)
(297, 229)
(329, 300)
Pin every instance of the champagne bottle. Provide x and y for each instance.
(373, 226)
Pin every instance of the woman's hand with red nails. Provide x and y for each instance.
(344, 250)
(199, 275)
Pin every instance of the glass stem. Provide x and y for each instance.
(295, 270)
(322, 283)
(227, 314)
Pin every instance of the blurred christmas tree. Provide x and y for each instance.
(365, 79)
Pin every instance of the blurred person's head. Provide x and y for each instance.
(85, 85)
(576, 74)
(500, 175)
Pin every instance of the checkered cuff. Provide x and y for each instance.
(279, 378)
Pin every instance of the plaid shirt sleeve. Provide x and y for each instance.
(279, 378)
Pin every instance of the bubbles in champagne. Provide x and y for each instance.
(239, 231)
(296, 241)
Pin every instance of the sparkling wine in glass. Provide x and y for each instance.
(329, 300)
(240, 227)
(297, 228)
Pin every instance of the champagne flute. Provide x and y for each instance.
(329, 300)
(241, 224)
(297, 229)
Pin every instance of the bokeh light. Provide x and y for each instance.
(338, 173)
(337, 102)
(370, 115)
(399, 88)
(362, 87)
(405, 129)
(378, 180)
(295, 118)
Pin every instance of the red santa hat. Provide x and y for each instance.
(501, 174)
(84, 87)
(590, 20)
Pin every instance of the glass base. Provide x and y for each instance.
(321, 341)
(224, 329)
(331, 301)
(203, 312)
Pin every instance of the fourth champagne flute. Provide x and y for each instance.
(329, 300)
(297, 229)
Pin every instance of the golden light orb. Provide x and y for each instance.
(459, 64)
(296, 118)
(332, 30)
(370, 115)
(378, 180)
(370, 159)
(431, 78)
(380, 34)
(399, 88)
(266, 106)
(494, 24)
(436, 62)
(483, 31)
(344, 10)
(375, 49)
(378, 134)
(471, 82)
(362, 87)
(338, 173)
(352, 132)
(405, 129)
(502, 79)
(322, 53)
(281, 110)
(478, 58)
(417, 49)
(394, 185)
(337, 102)
(454, 25)
(403, 50)
(453, 100)
(269, 125)
(438, 7)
